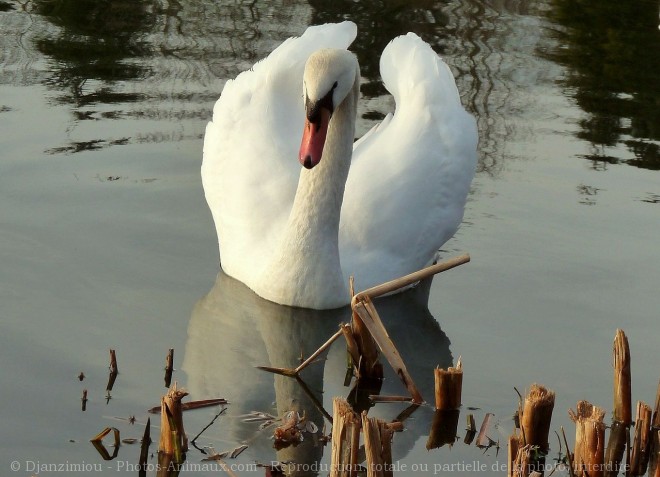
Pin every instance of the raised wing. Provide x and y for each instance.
(250, 168)
(411, 174)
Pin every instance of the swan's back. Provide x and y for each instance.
(411, 174)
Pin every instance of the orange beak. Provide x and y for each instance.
(313, 139)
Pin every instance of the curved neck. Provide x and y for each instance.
(320, 192)
(312, 232)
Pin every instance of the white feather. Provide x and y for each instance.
(405, 192)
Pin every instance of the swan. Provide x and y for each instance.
(295, 230)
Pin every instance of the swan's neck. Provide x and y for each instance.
(308, 270)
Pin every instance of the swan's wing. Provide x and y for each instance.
(250, 168)
(411, 174)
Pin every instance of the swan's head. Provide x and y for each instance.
(329, 76)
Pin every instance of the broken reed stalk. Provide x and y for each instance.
(84, 400)
(571, 472)
(97, 442)
(395, 426)
(536, 417)
(294, 372)
(169, 367)
(621, 414)
(351, 346)
(654, 464)
(471, 430)
(113, 361)
(173, 440)
(366, 364)
(316, 354)
(655, 458)
(144, 450)
(616, 447)
(622, 388)
(639, 458)
(448, 387)
(114, 370)
(345, 439)
(381, 398)
(588, 458)
(396, 284)
(656, 409)
(369, 316)
(482, 439)
(377, 446)
(654, 455)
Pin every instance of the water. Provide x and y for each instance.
(106, 240)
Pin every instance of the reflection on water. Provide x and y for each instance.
(97, 41)
(166, 61)
(378, 22)
(138, 71)
(106, 81)
(611, 50)
(232, 330)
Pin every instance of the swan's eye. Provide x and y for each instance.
(334, 85)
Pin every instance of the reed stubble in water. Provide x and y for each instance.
(345, 439)
(622, 417)
(639, 457)
(589, 453)
(654, 460)
(173, 443)
(448, 390)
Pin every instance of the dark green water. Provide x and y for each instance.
(106, 240)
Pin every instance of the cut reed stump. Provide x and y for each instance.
(377, 446)
(530, 447)
(536, 417)
(173, 443)
(639, 458)
(345, 439)
(448, 387)
(621, 362)
(589, 454)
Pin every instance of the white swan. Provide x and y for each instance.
(295, 234)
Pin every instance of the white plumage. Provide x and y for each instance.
(404, 193)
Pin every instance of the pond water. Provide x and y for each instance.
(106, 240)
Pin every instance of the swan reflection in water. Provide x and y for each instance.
(232, 331)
